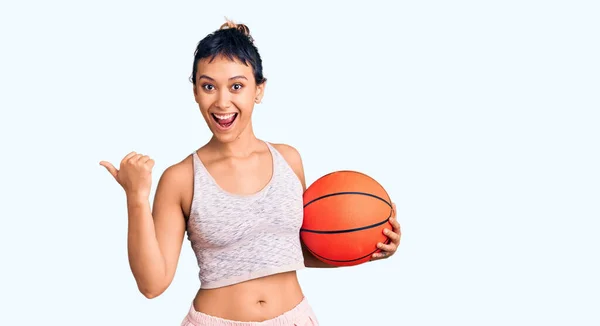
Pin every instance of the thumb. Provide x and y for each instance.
(111, 169)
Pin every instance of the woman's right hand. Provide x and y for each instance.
(134, 174)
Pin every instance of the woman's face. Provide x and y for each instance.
(226, 92)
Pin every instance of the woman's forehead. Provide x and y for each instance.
(223, 66)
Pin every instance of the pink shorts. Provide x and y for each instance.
(300, 315)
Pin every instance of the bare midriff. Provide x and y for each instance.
(254, 300)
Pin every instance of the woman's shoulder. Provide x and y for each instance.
(289, 153)
(179, 171)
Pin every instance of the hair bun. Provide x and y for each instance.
(240, 27)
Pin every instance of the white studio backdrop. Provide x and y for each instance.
(480, 118)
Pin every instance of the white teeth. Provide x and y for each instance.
(223, 117)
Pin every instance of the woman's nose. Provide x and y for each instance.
(223, 100)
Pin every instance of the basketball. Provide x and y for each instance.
(345, 213)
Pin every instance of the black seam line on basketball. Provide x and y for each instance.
(344, 260)
(345, 231)
(348, 193)
(349, 260)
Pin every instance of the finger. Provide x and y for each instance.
(127, 157)
(387, 247)
(144, 159)
(395, 237)
(111, 169)
(379, 255)
(393, 210)
(150, 163)
(395, 225)
(134, 159)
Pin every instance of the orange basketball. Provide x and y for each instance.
(345, 213)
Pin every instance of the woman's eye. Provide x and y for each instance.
(237, 87)
(208, 87)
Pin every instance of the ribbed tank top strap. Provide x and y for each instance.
(205, 187)
(283, 172)
(201, 175)
(278, 161)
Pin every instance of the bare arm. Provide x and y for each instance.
(292, 156)
(155, 237)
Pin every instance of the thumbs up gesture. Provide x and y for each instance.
(134, 174)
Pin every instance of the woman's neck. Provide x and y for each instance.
(246, 144)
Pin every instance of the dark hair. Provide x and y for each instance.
(234, 42)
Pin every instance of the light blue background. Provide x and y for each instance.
(479, 117)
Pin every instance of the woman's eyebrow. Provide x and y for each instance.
(232, 78)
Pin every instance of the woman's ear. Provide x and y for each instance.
(260, 92)
(195, 90)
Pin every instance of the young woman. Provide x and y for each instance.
(239, 199)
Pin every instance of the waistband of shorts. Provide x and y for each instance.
(287, 318)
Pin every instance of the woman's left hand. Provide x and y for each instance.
(394, 235)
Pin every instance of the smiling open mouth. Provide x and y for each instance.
(224, 120)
